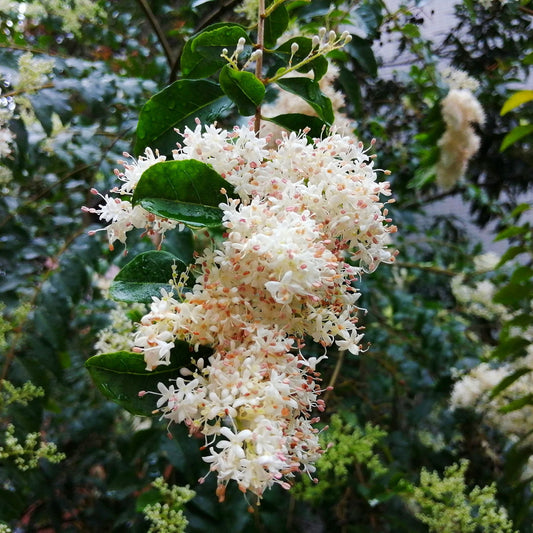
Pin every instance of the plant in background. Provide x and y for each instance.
(445, 505)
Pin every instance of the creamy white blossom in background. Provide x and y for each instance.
(458, 79)
(308, 223)
(489, 3)
(460, 111)
(478, 298)
(473, 391)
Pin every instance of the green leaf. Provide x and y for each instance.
(513, 231)
(120, 376)
(310, 91)
(517, 404)
(175, 107)
(509, 380)
(510, 348)
(510, 254)
(145, 276)
(299, 121)
(187, 191)
(515, 135)
(201, 53)
(283, 53)
(423, 176)
(368, 17)
(519, 209)
(275, 24)
(509, 294)
(361, 50)
(243, 88)
(515, 100)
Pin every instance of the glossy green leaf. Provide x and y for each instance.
(283, 53)
(201, 54)
(243, 88)
(299, 121)
(515, 100)
(310, 91)
(188, 191)
(175, 107)
(120, 376)
(180, 244)
(145, 276)
(515, 135)
(368, 17)
(361, 50)
(275, 24)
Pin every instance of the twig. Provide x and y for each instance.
(259, 61)
(158, 31)
(335, 375)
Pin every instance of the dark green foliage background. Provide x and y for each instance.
(417, 331)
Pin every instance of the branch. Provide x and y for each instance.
(158, 31)
(259, 62)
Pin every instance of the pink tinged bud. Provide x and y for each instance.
(142, 393)
(91, 232)
(94, 191)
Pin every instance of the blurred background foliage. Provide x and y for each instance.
(390, 408)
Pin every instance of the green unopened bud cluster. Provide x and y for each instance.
(26, 455)
(167, 516)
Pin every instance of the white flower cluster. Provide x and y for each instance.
(458, 79)
(477, 298)
(120, 213)
(6, 135)
(460, 110)
(308, 223)
(473, 390)
(488, 3)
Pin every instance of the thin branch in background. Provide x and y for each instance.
(335, 376)
(259, 61)
(158, 31)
